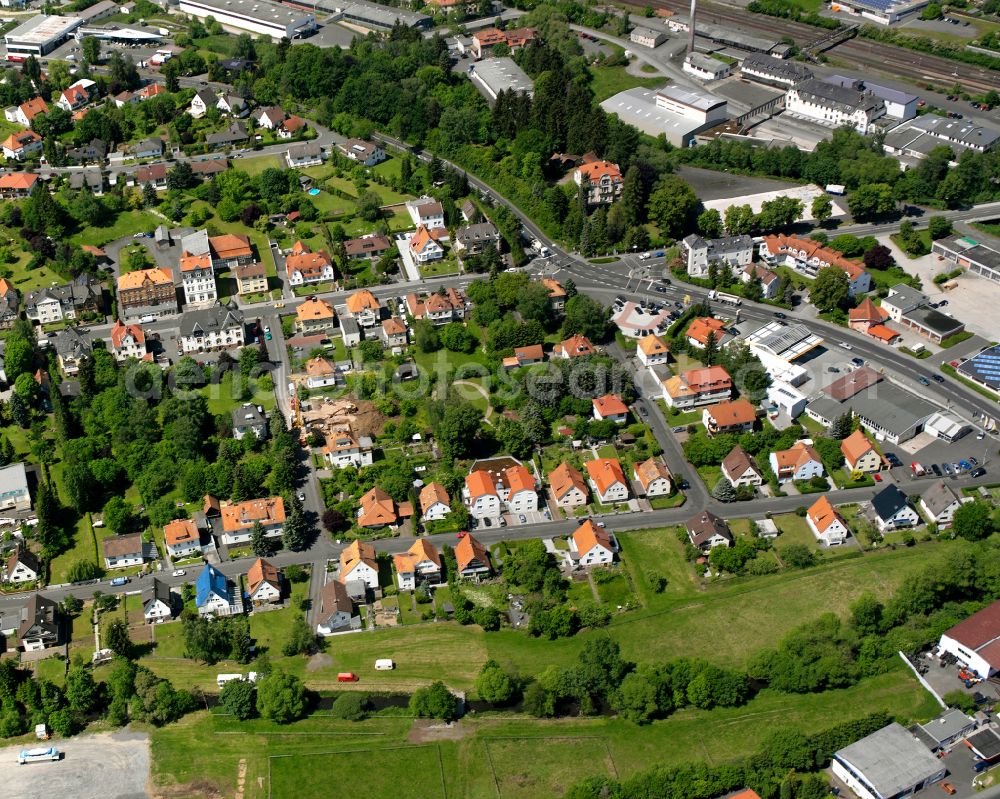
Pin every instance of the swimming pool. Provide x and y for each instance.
(314, 192)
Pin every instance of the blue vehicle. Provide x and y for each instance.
(965, 465)
(658, 254)
(119, 581)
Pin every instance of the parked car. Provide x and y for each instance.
(893, 459)
(948, 788)
(977, 472)
(522, 518)
(878, 477)
(267, 333)
(973, 461)
(946, 468)
(936, 469)
(179, 572)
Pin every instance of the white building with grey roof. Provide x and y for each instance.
(886, 764)
(762, 68)
(374, 15)
(494, 75)
(833, 106)
(255, 16)
(704, 67)
(676, 113)
(217, 328)
(917, 137)
(898, 105)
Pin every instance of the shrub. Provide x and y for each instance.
(351, 706)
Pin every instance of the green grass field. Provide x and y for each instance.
(608, 81)
(417, 767)
(566, 762)
(203, 754)
(125, 224)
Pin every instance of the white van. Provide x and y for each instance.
(222, 679)
(384, 664)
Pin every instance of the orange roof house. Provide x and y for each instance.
(859, 453)
(595, 170)
(194, 263)
(377, 509)
(314, 310)
(574, 347)
(652, 346)
(20, 140)
(120, 330)
(362, 300)
(724, 417)
(826, 521)
(18, 182)
(237, 516)
(471, 557)
(700, 329)
(355, 554)
(791, 462)
(180, 532)
(134, 280)
(230, 246)
(432, 494)
(606, 474)
(407, 563)
(519, 479)
(262, 572)
(563, 479)
(610, 406)
(34, 107)
(592, 544)
(309, 264)
(479, 484)
(649, 471)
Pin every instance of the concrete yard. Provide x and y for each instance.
(973, 300)
(755, 201)
(108, 765)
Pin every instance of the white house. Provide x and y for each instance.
(365, 152)
(127, 341)
(182, 538)
(434, 502)
(213, 593)
(833, 105)
(568, 487)
(707, 531)
(591, 545)
(737, 251)
(216, 328)
(891, 510)
(426, 212)
(336, 611)
(249, 419)
(610, 408)
(198, 279)
(522, 497)
(423, 247)
(939, 503)
(320, 373)
(826, 523)
(122, 551)
(420, 563)
(203, 100)
(860, 454)
(21, 567)
(263, 583)
(480, 495)
(607, 480)
(157, 603)
(974, 641)
(302, 155)
(654, 477)
(343, 449)
(799, 462)
(652, 351)
(740, 469)
(358, 564)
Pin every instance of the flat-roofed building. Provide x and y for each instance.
(639, 107)
(969, 254)
(494, 75)
(917, 137)
(762, 68)
(256, 16)
(705, 67)
(374, 15)
(884, 12)
(647, 37)
(40, 35)
(983, 368)
(888, 763)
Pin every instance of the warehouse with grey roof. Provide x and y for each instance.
(886, 764)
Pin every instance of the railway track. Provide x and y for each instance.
(884, 59)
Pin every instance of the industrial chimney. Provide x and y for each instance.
(694, 8)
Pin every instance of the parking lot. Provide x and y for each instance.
(109, 765)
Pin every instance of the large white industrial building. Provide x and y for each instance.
(39, 35)
(256, 16)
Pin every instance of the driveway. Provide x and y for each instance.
(109, 765)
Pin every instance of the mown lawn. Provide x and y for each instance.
(82, 549)
(125, 224)
(222, 398)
